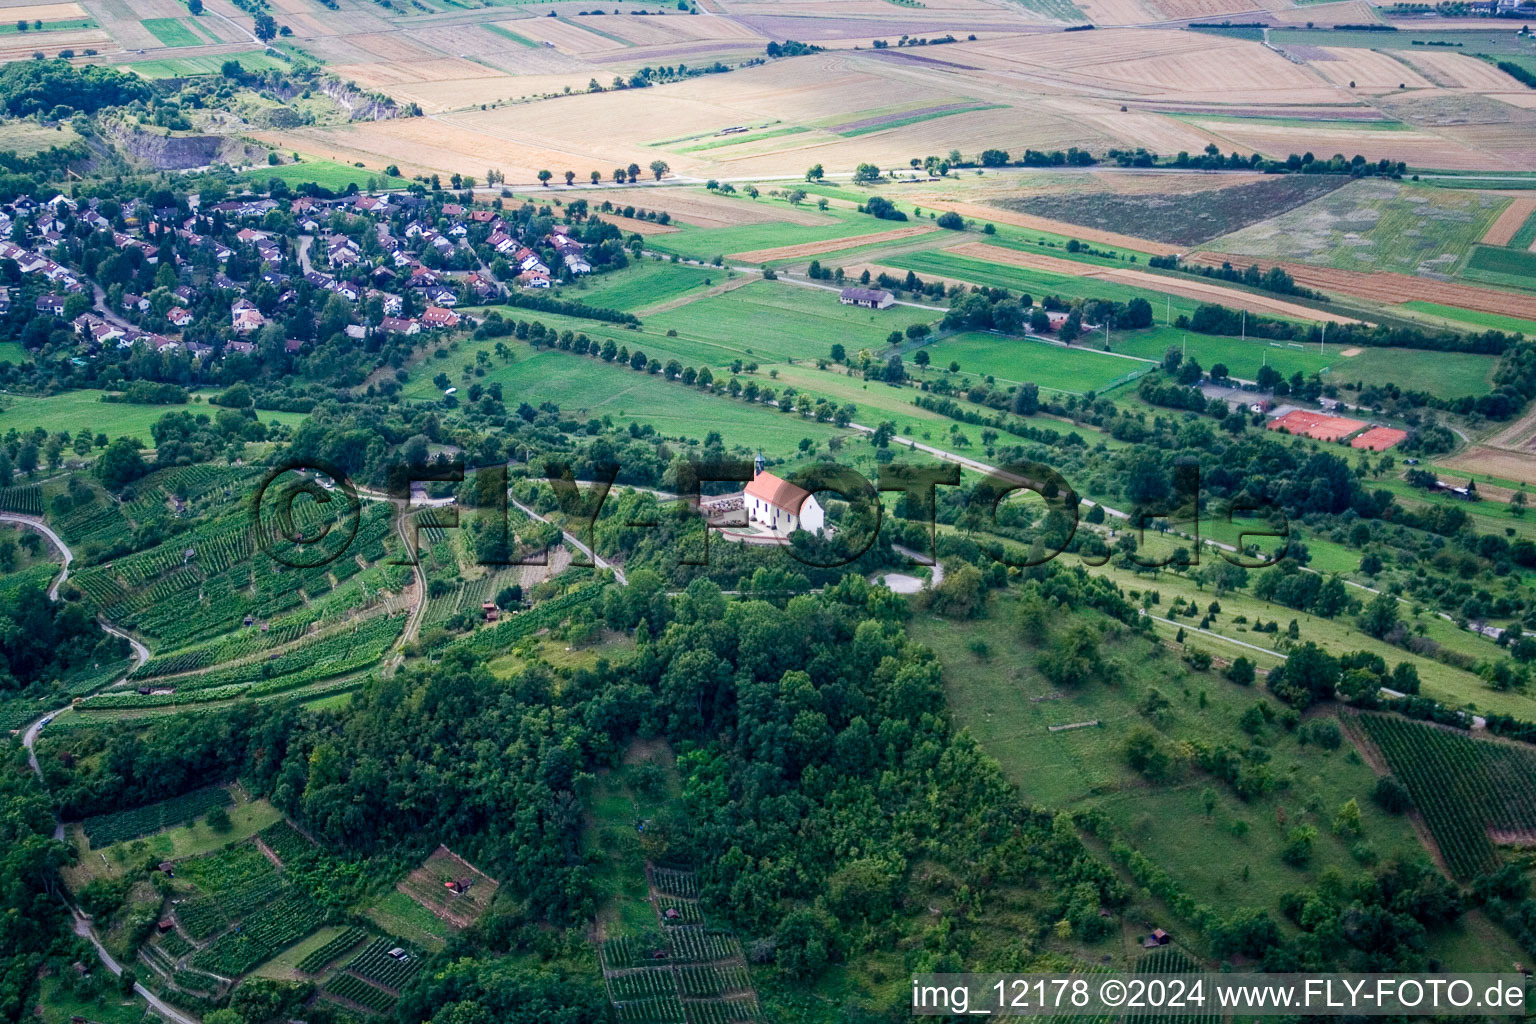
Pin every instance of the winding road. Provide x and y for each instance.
(29, 740)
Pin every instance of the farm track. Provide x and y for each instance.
(29, 740)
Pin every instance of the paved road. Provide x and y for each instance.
(85, 931)
(29, 740)
(574, 541)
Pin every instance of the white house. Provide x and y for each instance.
(869, 298)
(779, 506)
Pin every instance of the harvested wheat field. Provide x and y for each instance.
(1194, 288)
(45, 12)
(634, 224)
(792, 252)
(1347, 12)
(1390, 288)
(1498, 462)
(1502, 231)
(1458, 71)
(1420, 148)
(1368, 70)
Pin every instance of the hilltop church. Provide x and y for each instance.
(780, 507)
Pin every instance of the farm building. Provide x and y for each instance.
(869, 298)
(780, 506)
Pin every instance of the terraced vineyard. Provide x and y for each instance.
(1469, 791)
(375, 964)
(322, 957)
(337, 653)
(687, 973)
(356, 990)
(262, 934)
(286, 841)
(106, 829)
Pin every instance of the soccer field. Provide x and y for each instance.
(1074, 370)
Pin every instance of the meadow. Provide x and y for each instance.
(707, 243)
(1075, 369)
(1474, 318)
(1009, 708)
(641, 285)
(71, 410)
(584, 387)
(1374, 224)
(1039, 283)
(771, 321)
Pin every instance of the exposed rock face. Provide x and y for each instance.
(183, 152)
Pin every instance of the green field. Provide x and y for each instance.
(910, 119)
(1444, 374)
(188, 67)
(172, 32)
(1490, 321)
(584, 387)
(743, 137)
(1241, 358)
(1038, 283)
(325, 173)
(769, 321)
(1374, 224)
(11, 27)
(27, 138)
(1495, 265)
(641, 285)
(72, 410)
(12, 352)
(1076, 369)
(707, 243)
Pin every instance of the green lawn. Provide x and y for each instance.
(171, 32)
(59, 1007)
(398, 914)
(1443, 374)
(246, 819)
(74, 410)
(12, 352)
(325, 173)
(1075, 369)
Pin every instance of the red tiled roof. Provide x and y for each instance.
(779, 493)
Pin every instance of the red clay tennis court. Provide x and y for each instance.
(1379, 439)
(1316, 425)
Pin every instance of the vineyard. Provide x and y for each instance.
(504, 635)
(119, 826)
(355, 990)
(25, 499)
(230, 884)
(688, 973)
(262, 934)
(337, 653)
(1464, 788)
(209, 579)
(286, 842)
(376, 965)
(321, 958)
